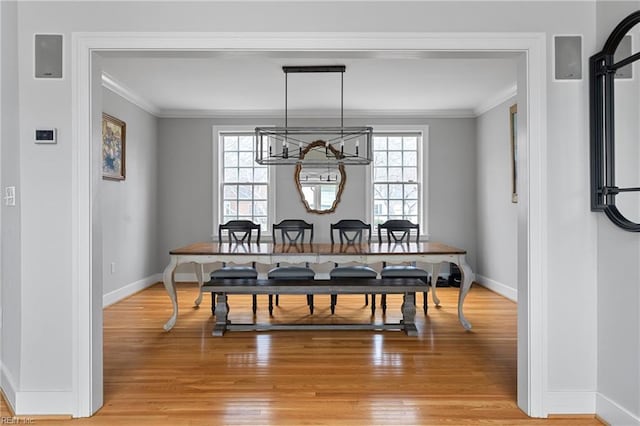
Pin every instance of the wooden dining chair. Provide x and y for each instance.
(401, 232)
(350, 231)
(293, 234)
(238, 232)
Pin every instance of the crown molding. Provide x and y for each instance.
(120, 89)
(279, 115)
(493, 102)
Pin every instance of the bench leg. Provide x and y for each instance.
(383, 303)
(334, 302)
(366, 299)
(213, 303)
(222, 309)
(310, 302)
(271, 305)
(373, 304)
(409, 314)
(255, 304)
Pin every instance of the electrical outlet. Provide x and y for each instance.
(113, 267)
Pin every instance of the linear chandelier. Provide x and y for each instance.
(299, 145)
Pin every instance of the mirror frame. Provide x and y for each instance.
(343, 178)
(602, 70)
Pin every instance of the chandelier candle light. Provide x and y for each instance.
(342, 145)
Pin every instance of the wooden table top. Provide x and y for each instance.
(213, 248)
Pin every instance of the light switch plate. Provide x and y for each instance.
(46, 135)
(10, 196)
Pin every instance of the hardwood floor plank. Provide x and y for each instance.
(444, 376)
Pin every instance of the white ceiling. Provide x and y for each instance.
(252, 83)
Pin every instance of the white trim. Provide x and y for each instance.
(570, 402)
(497, 287)
(120, 89)
(496, 100)
(537, 344)
(84, 165)
(339, 1)
(129, 289)
(8, 386)
(278, 115)
(44, 403)
(614, 414)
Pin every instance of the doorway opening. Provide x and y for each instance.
(87, 251)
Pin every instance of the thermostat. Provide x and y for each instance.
(45, 135)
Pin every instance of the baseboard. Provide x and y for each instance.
(497, 287)
(614, 414)
(185, 277)
(570, 402)
(44, 403)
(8, 387)
(129, 289)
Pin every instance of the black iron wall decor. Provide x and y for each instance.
(615, 132)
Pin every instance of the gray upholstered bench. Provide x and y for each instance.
(406, 286)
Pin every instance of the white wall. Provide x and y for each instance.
(496, 267)
(46, 175)
(618, 398)
(10, 294)
(186, 156)
(130, 207)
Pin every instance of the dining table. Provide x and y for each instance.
(433, 254)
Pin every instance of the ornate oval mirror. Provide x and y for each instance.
(615, 132)
(320, 186)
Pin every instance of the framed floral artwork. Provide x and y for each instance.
(114, 134)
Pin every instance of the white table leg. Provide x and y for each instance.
(170, 285)
(435, 273)
(199, 267)
(465, 286)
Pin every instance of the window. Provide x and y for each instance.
(396, 176)
(244, 183)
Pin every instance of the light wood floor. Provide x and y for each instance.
(445, 376)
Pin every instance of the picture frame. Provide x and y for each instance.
(513, 136)
(114, 134)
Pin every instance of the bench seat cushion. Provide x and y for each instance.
(353, 272)
(292, 272)
(230, 272)
(403, 272)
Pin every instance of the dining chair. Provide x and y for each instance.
(399, 231)
(236, 232)
(293, 234)
(350, 232)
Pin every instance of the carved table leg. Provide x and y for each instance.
(222, 310)
(199, 267)
(435, 272)
(170, 285)
(465, 286)
(409, 314)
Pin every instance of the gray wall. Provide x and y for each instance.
(497, 215)
(130, 207)
(10, 294)
(186, 203)
(618, 284)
